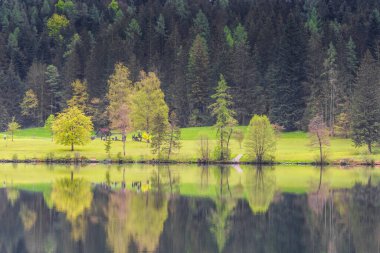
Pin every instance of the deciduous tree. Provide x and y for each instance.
(49, 125)
(29, 104)
(80, 95)
(260, 139)
(173, 136)
(72, 127)
(147, 102)
(119, 96)
(319, 136)
(13, 127)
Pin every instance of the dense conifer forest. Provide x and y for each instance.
(288, 59)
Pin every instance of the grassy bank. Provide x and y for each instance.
(293, 147)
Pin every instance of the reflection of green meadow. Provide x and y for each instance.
(35, 143)
(191, 180)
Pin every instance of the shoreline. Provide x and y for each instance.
(342, 163)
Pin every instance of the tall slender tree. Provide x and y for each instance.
(198, 82)
(366, 104)
(119, 95)
(224, 115)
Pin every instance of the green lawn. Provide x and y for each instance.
(293, 147)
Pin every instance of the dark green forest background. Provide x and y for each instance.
(289, 59)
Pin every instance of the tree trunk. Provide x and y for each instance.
(124, 139)
(72, 146)
(369, 146)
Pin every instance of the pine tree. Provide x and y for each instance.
(198, 82)
(366, 104)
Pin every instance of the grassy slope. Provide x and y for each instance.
(291, 147)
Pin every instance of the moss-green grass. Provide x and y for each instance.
(293, 147)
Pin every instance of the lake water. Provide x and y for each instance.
(186, 208)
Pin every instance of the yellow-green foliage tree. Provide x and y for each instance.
(80, 95)
(72, 127)
(119, 93)
(49, 125)
(56, 24)
(147, 102)
(13, 127)
(29, 104)
(260, 139)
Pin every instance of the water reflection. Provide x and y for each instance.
(261, 188)
(241, 212)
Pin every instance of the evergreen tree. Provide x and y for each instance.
(331, 88)
(201, 25)
(198, 82)
(242, 74)
(373, 39)
(366, 104)
(52, 80)
(225, 120)
(288, 105)
(350, 71)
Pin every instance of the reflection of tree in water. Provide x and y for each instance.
(12, 195)
(73, 197)
(28, 217)
(365, 210)
(164, 179)
(260, 188)
(224, 204)
(136, 220)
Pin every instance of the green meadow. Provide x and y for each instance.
(292, 147)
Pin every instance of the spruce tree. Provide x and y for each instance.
(366, 104)
(243, 76)
(288, 105)
(52, 79)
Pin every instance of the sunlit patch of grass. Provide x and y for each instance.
(292, 147)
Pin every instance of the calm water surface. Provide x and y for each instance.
(189, 209)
